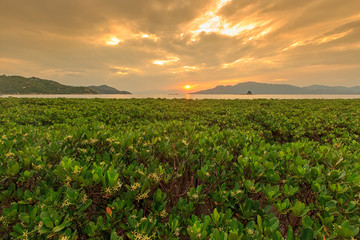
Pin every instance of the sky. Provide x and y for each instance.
(141, 45)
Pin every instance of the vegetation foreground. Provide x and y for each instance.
(179, 169)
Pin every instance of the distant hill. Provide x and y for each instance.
(104, 89)
(33, 85)
(265, 88)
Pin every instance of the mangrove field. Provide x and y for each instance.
(179, 169)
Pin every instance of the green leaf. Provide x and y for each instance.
(290, 233)
(113, 235)
(61, 226)
(18, 228)
(260, 223)
(274, 224)
(48, 222)
(24, 218)
(307, 234)
(85, 206)
(307, 221)
(15, 168)
(216, 216)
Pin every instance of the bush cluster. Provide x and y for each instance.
(179, 169)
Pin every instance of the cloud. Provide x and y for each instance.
(140, 45)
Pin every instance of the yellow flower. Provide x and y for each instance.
(65, 203)
(10, 154)
(77, 170)
(195, 196)
(142, 196)
(68, 137)
(108, 190)
(135, 186)
(40, 226)
(163, 213)
(139, 171)
(177, 232)
(117, 187)
(83, 150)
(68, 181)
(25, 235)
(139, 236)
(155, 177)
(39, 166)
(84, 199)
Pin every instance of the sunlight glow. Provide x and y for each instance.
(113, 41)
(220, 4)
(187, 87)
(147, 36)
(124, 71)
(333, 37)
(218, 25)
(159, 62)
(213, 22)
(321, 40)
(186, 69)
(170, 60)
(118, 34)
(190, 68)
(240, 60)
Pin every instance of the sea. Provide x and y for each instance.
(190, 96)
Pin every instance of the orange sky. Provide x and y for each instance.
(140, 45)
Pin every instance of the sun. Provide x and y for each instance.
(187, 87)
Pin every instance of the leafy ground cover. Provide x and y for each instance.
(179, 169)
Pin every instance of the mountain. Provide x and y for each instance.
(33, 85)
(104, 89)
(265, 88)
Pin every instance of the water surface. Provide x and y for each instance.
(192, 96)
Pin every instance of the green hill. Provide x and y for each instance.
(33, 85)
